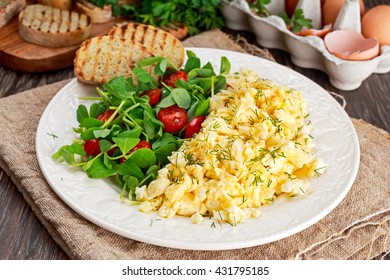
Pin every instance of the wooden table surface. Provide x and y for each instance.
(22, 236)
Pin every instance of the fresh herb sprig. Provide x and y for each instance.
(197, 15)
(260, 7)
(132, 120)
(297, 21)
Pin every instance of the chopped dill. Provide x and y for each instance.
(317, 171)
(52, 135)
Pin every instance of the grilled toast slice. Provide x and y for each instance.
(161, 43)
(102, 58)
(52, 27)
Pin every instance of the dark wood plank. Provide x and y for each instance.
(20, 227)
(21, 233)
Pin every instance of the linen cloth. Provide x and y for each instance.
(358, 228)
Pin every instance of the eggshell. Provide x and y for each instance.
(351, 45)
(316, 32)
(331, 9)
(376, 23)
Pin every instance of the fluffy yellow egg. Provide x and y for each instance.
(254, 146)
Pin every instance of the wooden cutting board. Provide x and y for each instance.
(17, 54)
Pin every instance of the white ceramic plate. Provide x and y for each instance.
(98, 200)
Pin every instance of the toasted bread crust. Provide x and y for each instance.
(161, 43)
(97, 15)
(52, 27)
(9, 10)
(102, 58)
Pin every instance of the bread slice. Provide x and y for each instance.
(9, 9)
(52, 27)
(161, 43)
(102, 58)
(97, 15)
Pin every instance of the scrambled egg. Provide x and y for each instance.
(254, 146)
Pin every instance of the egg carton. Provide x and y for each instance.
(310, 51)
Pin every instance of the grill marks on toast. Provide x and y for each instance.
(52, 27)
(52, 20)
(158, 41)
(102, 58)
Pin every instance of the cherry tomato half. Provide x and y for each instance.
(154, 95)
(91, 147)
(141, 144)
(111, 152)
(179, 75)
(174, 118)
(105, 115)
(194, 126)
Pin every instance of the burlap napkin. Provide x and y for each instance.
(358, 228)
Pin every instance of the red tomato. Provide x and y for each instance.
(105, 115)
(171, 79)
(154, 95)
(111, 152)
(174, 118)
(141, 144)
(194, 126)
(91, 147)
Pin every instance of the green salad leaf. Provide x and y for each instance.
(121, 133)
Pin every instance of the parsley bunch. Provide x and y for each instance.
(197, 15)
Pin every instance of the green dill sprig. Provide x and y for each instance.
(317, 171)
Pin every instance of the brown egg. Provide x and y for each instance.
(331, 9)
(376, 23)
(290, 7)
